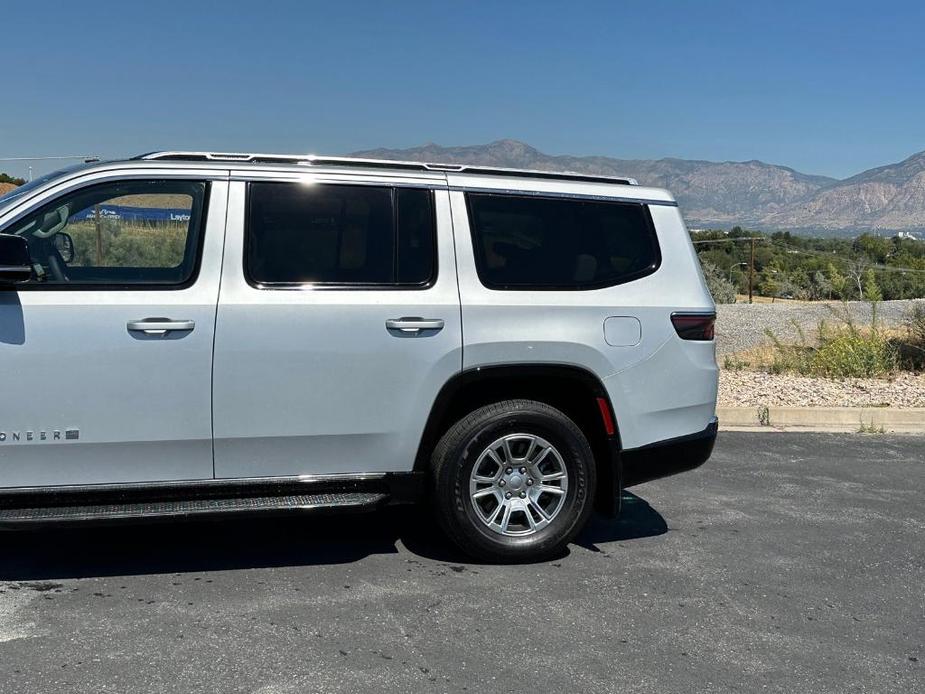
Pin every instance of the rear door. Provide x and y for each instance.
(338, 324)
(107, 351)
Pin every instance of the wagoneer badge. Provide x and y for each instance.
(40, 435)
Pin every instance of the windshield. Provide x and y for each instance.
(37, 183)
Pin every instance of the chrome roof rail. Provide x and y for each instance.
(318, 160)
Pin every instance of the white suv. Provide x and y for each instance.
(188, 334)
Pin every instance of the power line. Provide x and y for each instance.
(733, 239)
(833, 256)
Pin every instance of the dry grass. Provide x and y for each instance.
(179, 201)
(755, 359)
(900, 350)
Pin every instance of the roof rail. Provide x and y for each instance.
(316, 160)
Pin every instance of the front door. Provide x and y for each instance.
(338, 325)
(106, 352)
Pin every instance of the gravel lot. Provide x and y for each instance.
(755, 389)
(741, 326)
(790, 562)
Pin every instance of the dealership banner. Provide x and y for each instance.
(133, 214)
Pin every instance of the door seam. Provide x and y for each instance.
(462, 334)
(218, 301)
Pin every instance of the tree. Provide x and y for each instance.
(767, 284)
(856, 269)
(723, 291)
(822, 286)
(877, 248)
(786, 288)
(6, 178)
(871, 290)
(838, 281)
(802, 258)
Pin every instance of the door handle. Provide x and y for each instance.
(159, 326)
(414, 325)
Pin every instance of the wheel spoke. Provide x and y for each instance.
(499, 509)
(508, 456)
(539, 509)
(551, 490)
(530, 521)
(553, 476)
(505, 521)
(486, 492)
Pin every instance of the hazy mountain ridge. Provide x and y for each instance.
(754, 193)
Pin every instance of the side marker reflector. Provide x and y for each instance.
(606, 416)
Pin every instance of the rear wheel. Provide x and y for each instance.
(513, 481)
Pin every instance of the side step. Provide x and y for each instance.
(191, 508)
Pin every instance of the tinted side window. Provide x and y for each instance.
(528, 242)
(416, 250)
(124, 233)
(339, 235)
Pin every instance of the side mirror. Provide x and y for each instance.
(64, 244)
(15, 262)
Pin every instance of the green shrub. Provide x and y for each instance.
(911, 346)
(852, 353)
(915, 322)
(722, 290)
(844, 351)
(733, 362)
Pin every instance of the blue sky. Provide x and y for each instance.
(824, 87)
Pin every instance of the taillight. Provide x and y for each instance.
(694, 326)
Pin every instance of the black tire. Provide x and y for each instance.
(458, 450)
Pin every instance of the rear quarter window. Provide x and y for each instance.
(547, 243)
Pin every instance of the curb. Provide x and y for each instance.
(874, 420)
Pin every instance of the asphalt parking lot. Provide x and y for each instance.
(790, 562)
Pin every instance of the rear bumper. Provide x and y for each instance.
(665, 458)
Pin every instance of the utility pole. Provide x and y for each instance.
(751, 258)
(751, 269)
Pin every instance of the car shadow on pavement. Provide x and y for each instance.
(637, 520)
(122, 550)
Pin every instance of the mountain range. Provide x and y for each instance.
(885, 200)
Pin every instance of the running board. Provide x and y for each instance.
(192, 508)
(23, 507)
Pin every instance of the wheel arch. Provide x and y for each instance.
(572, 389)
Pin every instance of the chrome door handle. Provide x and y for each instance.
(414, 325)
(159, 326)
